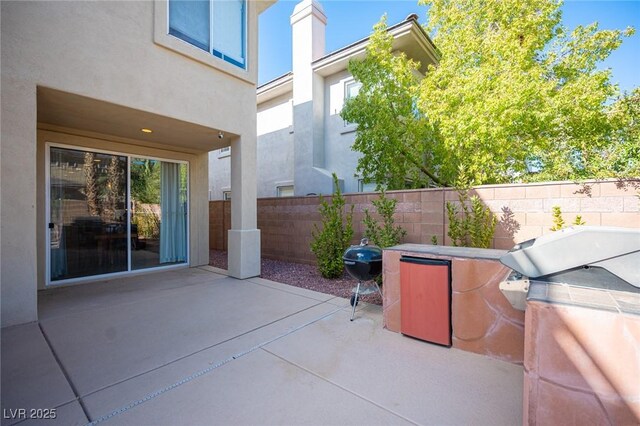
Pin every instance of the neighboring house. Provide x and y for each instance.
(301, 137)
(109, 112)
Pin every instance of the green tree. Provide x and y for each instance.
(514, 97)
(114, 196)
(622, 159)
(145, 181)
(392, 137)
(90, 185)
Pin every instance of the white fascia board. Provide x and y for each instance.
(274, 88)
(404, 33)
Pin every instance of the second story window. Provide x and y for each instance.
(351, 89)
(217, 26)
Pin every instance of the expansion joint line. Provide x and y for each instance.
(65, 373)
(200, 373)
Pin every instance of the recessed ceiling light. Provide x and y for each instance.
(145, 130)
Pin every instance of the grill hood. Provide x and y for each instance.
(579, 253)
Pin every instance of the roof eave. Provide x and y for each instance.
(276, 87)
(338, 60)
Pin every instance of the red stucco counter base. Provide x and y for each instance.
(482, 319)
(582, 365)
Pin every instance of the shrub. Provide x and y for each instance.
(578, 221)
(147, 221)
(387, 234)
(472, 224)
(330, 242)
(558, 221)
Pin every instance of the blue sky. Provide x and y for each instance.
(349, 21)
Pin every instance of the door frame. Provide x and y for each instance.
(129, 272)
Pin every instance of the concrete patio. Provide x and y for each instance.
(196, 347)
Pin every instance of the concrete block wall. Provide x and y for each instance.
(523, 211)
(219, 224)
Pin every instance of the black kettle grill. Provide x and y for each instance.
(364, 263)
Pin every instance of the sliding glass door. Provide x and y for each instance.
(91, 230)
(159, 213)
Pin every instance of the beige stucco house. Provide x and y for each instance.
(301, 137)
(109, 112)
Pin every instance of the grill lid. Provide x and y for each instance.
(363, 252)
(579, 253)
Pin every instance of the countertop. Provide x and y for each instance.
(625, 302)
(464, 252)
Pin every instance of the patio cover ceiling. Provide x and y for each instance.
(91, 115)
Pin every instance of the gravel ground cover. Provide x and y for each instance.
(300, 275)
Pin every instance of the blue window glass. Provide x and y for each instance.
(189, 21)
(217, 26)
(228, 31)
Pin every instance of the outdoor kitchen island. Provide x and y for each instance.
(482, 319)
(580, 341)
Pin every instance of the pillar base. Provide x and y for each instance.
(244, 253)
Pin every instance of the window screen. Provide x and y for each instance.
(217, 26)
(227, 30)
(189, 21)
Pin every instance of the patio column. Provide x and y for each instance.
(244, 237)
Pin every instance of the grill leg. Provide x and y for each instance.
(353, 312)
(378, 287)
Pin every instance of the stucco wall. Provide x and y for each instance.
(219, 174)
(275, 151)
(275, 145)
(104, 51)
(340, 158)
(276, 160)
(523, 211)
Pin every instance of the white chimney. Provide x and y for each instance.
(308, 23)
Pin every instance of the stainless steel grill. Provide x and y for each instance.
(585, 256)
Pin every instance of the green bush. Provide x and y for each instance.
(578, 221)
(387, 234)
(147, 220)
(330, 242)
(558, 221)
(472, 224)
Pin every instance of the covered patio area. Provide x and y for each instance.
(194, 346)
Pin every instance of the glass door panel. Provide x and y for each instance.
(88, 217)
(158, 213)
